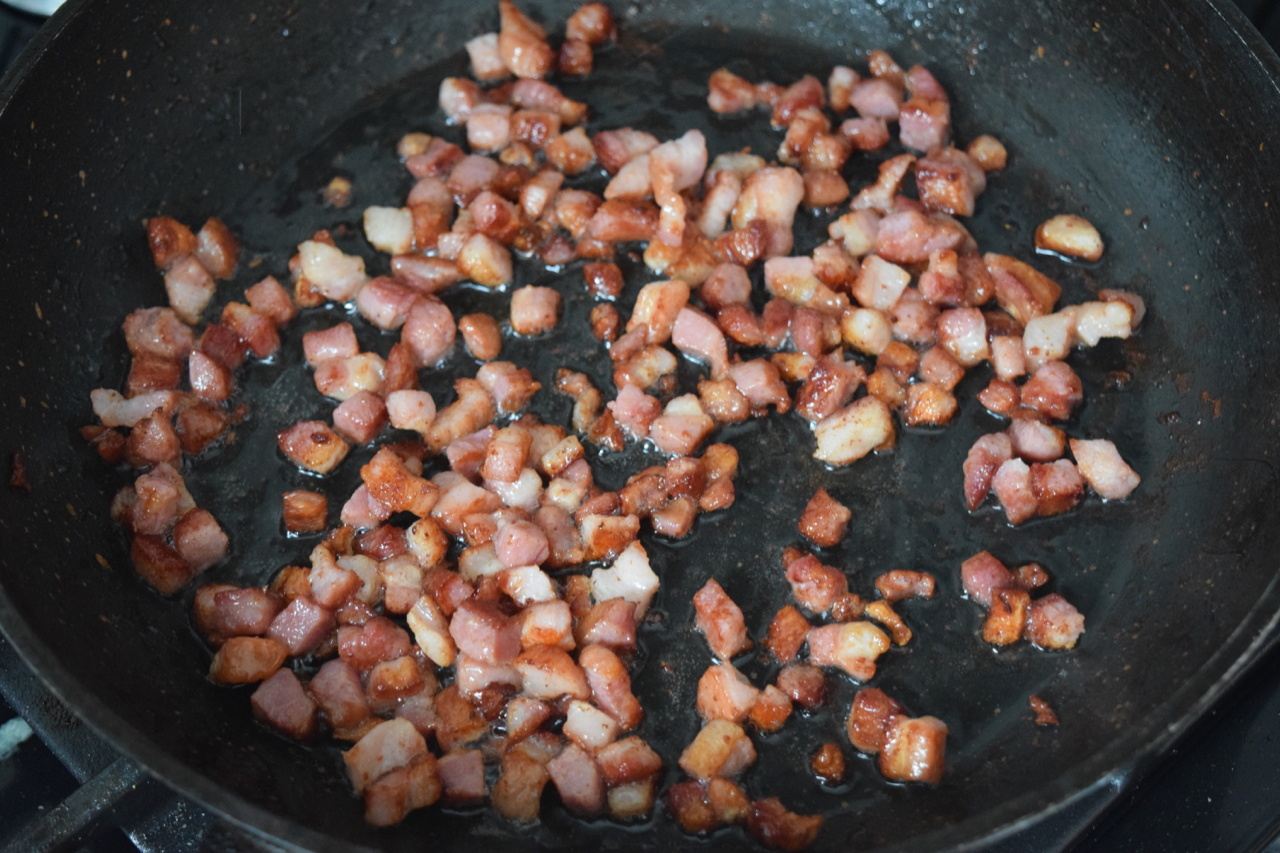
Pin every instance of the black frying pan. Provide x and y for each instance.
(1153, 119)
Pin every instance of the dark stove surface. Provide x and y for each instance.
(64, 789)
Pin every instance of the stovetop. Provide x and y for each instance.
(63, 789)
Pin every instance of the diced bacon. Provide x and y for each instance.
(471, 411)
(777, 828)
(1012, 485)
(772, 708)
(169, 240)
(521, 543)
(883, 612)
(1049, 337)
(616, 148)
(1007, 616)
(389, 799)
(313, 445)
(518, 792)
(720, 620)
(771, 194)
(337, 689)
(157, 331)
(729, 93)
(658, 305)
(337, 276)
(1053, 623)
(610, 686)
(1057, 486)
(681, 427)
(485, 633)
(610, 623)
(824, 520)
(362, 511)
(850, 646)
(429, 331)
(805, 93)
(571, 152)
(854, 431)
(721, 748)
(1054, 390)
(336, 342)
(244, 660)
(794, 279)
(628, 760)
(462, 777)
(522, 43)
(469, 177)
(388, 746)
(899, 584)
(761, 383)
(1000, 397)
(425, 275)
(302, 626)
(963, 332)
(876, 98)
(511, 388)
(985, 457)
(697, 336)
(548, 672)
(674, 166)
(1034, 441)
(537, 95)
(458, 95)
(924, 123)
(911, 237)
(153, 441)
(385, 302)
(282, 703)
(343, 378)
(914, 750)
(489, 127)
(485, 261)
(982, 574)
(948, 181)
(414, 410)
(787, 633)
(578, 780)
(815, 586)
(377, 640)
(688, 803)
(1020, 289)
(1103, 469)
(221, 345)
(189, 287)
(880, 195)
(576, 58)
(880, 284)
(724, 693)
(361, 417)
(486, 61)
(873, 715)
(393, 485)
(155, 506)
(865, 134)
(199, 540)
(588, 726)
(630, 577)
(505, 454)
(534, 310)
(242, 612)
(646, 368)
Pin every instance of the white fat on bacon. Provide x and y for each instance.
(630, 578)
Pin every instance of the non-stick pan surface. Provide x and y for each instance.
(1155, 120)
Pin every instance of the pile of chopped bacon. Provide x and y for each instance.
(511, 578)
(172, 539)
(1050, 621)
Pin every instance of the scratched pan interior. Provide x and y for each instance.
(1147, 119)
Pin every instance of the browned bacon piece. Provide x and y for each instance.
(774, 826)
(914, 750)
(872, 716)
(1007, 616)
(1044, 714)
(824, 520)
(721, 621)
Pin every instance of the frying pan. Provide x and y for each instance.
(1153, 119)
